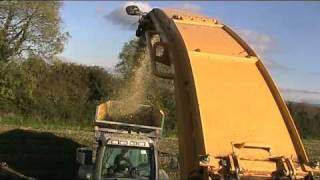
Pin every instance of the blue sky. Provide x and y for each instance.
(285, 34)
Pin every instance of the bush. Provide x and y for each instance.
(55, 90)
(307, 119)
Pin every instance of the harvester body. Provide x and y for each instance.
(232, 120)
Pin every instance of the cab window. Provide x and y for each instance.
(126, 162)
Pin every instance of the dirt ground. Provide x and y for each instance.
(50, 154)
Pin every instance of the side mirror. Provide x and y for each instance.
(84, 156)
(133, 10)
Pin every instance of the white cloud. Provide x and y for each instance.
(119, 16)
(262, 43)
(190, 7)
(272, 64)
(296, 95)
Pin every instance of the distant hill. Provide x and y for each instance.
(317, 105)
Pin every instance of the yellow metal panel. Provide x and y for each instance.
(257, 167)
(237, 106)
(210, 39)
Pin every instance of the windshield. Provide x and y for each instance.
(126, 162)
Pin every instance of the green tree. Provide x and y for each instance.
(54, 90)
(129, 57)
(306, 117)
(30, 28)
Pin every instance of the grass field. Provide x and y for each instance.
(16, 120)
(50, 153)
